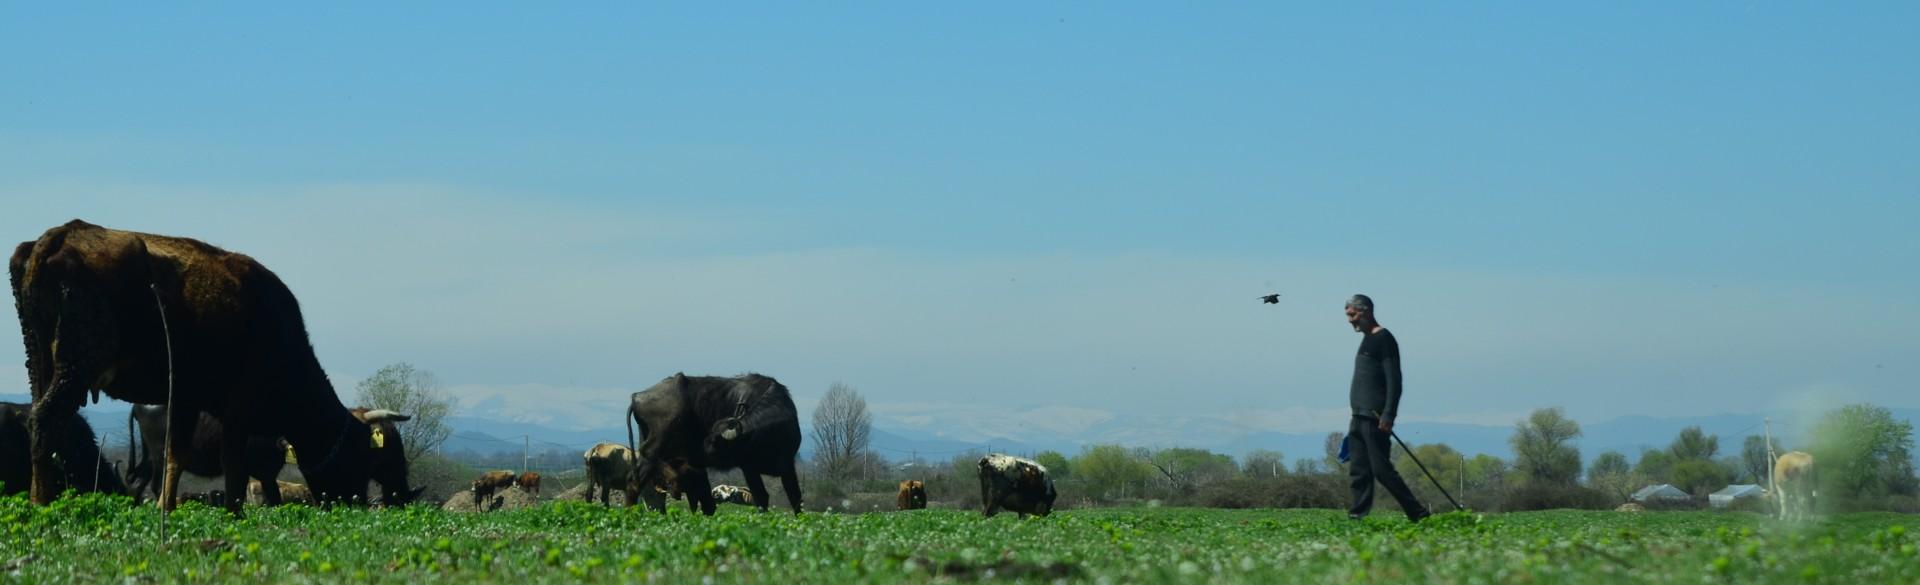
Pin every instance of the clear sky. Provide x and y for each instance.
(1622, 208)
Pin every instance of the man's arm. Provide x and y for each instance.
(1390, 370)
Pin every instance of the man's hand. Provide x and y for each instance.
(1386, 425)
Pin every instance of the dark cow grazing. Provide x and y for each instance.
(141, 316)
(490, 482)
(265, 456)
(748, 422)
(79, 464)
(608, 464)
(389, 458)
(732, 494)
(1016, 484)
(290, 492)
(529, 482)
(913, 495)
(147, 425)
(666, 486)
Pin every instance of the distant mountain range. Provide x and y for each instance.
(935, 435)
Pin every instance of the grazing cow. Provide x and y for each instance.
(1794, 481)
(607, 464)
(748, 422)
(199, 454)
(1016, 484)
(80, 465)
(913, 495)
(732, 494)
(529, 482)
(490, 482)
(290, 492)
(389, 459)
(153, 319)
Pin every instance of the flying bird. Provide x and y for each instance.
(1272, 299)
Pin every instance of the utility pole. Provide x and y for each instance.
(526, 452)
(1770, 458)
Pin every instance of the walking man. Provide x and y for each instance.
(1375, 397)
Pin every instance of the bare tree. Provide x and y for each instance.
(411, 391)
(841, 428)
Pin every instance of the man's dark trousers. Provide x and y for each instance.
(1372, 460)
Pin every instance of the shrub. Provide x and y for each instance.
(1548, 497)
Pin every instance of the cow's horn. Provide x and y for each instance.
(383, 415)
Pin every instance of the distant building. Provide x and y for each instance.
(1728, 495)
(1660, 493)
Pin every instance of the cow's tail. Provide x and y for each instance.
(133, 444)
(635, 447)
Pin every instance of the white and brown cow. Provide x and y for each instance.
(1012, 483)
(732, 494)
(1793, 485)
(608, 465)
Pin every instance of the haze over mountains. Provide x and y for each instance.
(903, 432)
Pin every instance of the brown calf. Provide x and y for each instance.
(913, 495)
(529, 482)
(490, 482)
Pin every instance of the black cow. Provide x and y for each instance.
(199, 454)
(1016, 484)
(748, 422)
(79, 462)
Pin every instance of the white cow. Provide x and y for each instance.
(1793, 483)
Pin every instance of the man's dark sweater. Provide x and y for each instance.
(1376, 376)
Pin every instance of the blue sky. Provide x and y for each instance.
(1619, 209)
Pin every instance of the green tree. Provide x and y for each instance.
(1699, 476)
(1056, 464)
(1441, 460)
(1694, 445)
(1110, 471)
(1656, 466)
(1185, 468)
(1487, 472)
(1611, 475)
(1861, 451)
(1543, 448)
(1263, 463)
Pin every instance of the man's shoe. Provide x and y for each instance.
(1416, 518)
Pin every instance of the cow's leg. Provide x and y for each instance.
(985, 497)
(182, 423)
(790, 482)
(757, 487)
(270, 490)
(233, 460)
(643, 477)
(47, 423)
(699, 490)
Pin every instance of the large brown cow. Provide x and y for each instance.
(1793, 485)
(150, 319)
(83, 469)
(913, 495)
(490, 482)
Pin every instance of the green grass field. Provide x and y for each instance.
(105, 539)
